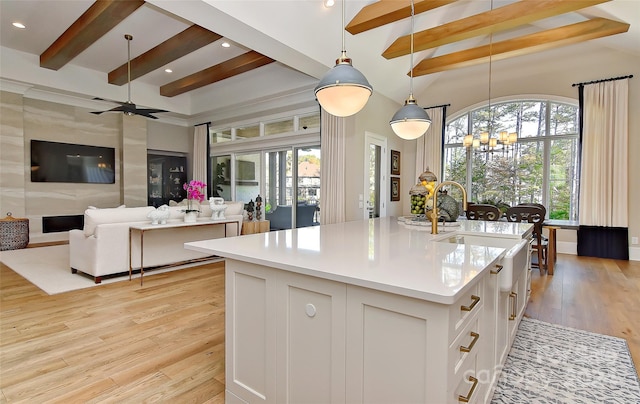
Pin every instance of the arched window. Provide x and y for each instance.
(542, 166)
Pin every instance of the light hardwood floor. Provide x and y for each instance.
(164, 342)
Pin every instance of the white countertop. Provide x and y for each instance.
(380, 254)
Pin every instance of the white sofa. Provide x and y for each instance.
(102, 246)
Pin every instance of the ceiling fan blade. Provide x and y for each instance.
(145, 114)
(150, 111)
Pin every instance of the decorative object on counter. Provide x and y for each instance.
(448, 207)
(259, 208)
(14, 233)
(418, 196)
(217, 208)
(195, 192)
(421, 194)
(159, 215)
(250, 209)
(435, 215)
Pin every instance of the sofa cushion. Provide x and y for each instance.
(94, 217)
(234, 208)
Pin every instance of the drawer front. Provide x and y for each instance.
(465, 347)
(468, 386)
(464, 309)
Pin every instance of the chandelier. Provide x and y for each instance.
(485, 143)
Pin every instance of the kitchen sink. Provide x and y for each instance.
(515, 258)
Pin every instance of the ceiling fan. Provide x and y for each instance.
(128, 107)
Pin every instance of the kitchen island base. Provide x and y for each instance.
(294, 338)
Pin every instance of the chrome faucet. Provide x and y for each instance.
(434, 211)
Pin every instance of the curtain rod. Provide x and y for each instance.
(203, 123)
(437, 106)
(603, 80)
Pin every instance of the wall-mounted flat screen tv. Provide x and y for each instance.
(66, 162)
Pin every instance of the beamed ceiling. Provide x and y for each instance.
(105, 16)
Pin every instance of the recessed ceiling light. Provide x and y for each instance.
(19, 25)
(168, 70)
(225, 44)
(329, 3)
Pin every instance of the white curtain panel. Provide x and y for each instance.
(429, 146)
(332, 169)
(603, 176)
(200, 154)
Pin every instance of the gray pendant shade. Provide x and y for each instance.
(410, 121)
(343, 91)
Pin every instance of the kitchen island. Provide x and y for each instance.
(366, 311)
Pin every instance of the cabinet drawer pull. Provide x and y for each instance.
(465, 399)
(514, 310)
(475, 299)
(497, 270)
(475, 336)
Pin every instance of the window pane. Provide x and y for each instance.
(247, 175)
(308, 187)
(455, 164)
(221, 186)
(532, 119)
(220, 136)
(273, 128)
(309, 121)
(278, 186)
(499, 179)
(529, 166)
(563, 197)
(457, 130)
(248, 132)
(563, 119)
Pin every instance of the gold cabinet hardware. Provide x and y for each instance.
(465, 399)
(514, 310)
(497, 270)
(470, 307)
(475, 336)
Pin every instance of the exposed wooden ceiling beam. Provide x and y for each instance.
(189, 40)
(240, 64)
(99, 19)
(549, 39)
(384, 12)
(499, 19)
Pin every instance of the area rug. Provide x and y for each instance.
(48, 268)
(549, 363)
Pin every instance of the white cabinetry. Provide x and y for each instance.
(294, 338)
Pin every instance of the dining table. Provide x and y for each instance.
(552, 225)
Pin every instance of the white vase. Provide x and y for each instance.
(190, 217)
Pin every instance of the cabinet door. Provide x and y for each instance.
(250, 338)
(489, 356)
(310, 339)
(502, 327)
(396, 348)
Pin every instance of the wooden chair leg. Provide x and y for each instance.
(541, 263)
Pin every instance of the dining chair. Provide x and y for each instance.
(534, 215)
(544, 213)
(482, 211)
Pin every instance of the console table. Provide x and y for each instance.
(142, 229)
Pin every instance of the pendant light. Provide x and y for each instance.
(343, 91)
(411, 121)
